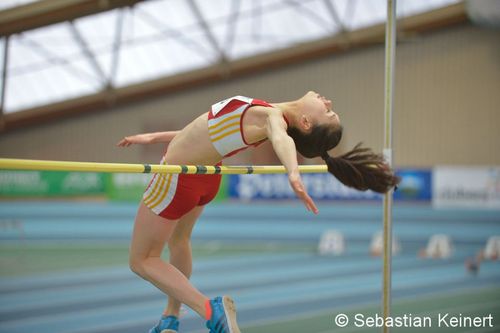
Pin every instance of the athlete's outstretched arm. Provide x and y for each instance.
(284, 147)
(147, 138)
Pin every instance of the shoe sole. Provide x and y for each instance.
(230, 311)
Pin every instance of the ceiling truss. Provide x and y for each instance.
(215, 51)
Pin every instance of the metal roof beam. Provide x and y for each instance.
(4, 75)
(88, 53)
(116, 48)
(310, 14)
(333, 13)
(46, 12)
(177, 34)
(53, 59)
(421, 23)
(232, 24)
(206, 28)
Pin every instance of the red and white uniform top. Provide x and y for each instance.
(225, 124)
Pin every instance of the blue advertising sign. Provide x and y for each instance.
(276, 186)
(415, 185)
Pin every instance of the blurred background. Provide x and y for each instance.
(78, 75)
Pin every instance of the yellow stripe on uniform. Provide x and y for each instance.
(223, 121)
(225, 134)
(154, 185)
(164, 193)
(158, 187)
(225, 127)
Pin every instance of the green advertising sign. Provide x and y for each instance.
(126, 186)
(130, 187)
(50, 183)
(116, 186)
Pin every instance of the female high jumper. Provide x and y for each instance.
(172, 203)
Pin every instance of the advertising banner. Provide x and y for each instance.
(276, 186)
(126, 186)
(473, 187)
(415, 186)
(130, 187)
(50, 183)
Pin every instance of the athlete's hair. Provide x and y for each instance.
(359, 168)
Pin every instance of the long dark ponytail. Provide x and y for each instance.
(359, 168)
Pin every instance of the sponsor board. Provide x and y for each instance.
(276, 186)
(468, 187)
(50, 183)
(415, 185)
(130, 187)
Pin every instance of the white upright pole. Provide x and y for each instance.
(390, 52)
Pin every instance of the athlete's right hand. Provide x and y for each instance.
(141, 139)
(299, 189)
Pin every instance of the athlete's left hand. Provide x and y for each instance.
(299, 189)
(141, 139)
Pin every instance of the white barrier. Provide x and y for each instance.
(377, 244)
(439, 247)
(492, 249)
(331, 243)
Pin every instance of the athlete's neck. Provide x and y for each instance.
(291, 110)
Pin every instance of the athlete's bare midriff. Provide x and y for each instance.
(192, 145)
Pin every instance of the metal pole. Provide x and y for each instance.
(4, 75)
(390, 52)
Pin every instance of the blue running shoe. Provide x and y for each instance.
(167, 324)
(223, 318)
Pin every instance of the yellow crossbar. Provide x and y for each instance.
(22, 164)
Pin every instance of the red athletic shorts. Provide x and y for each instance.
(172, 196)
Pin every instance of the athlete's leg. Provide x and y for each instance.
(179, 245)
(151, 232)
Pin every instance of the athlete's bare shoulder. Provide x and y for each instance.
(264, 110)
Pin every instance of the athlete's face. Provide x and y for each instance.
(319, 110)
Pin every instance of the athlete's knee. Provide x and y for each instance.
(180, 239)
(180, 249)
(138, 265)
(134, 265)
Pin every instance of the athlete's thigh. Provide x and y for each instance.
(186, 224)
(151, 233)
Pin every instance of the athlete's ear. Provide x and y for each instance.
(305, 123)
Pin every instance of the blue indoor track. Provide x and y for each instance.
(268, 286)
